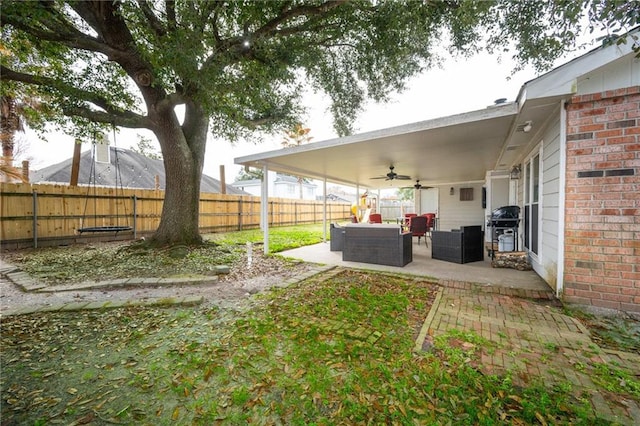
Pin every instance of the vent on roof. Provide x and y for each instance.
(498, 103)
(102, 150)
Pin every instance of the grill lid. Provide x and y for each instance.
(506, 216)
(506, 212)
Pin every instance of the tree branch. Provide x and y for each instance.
(61, 31)
(108, 22)
(76, 93)
(155, 23)
(171, 101)
(57, 28)
(125, 119)
(206, 10)
(270, 27)
(170, 7)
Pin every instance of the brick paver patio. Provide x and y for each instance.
(533, 340)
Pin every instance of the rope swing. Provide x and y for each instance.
(92, 187)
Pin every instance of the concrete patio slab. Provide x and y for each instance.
(423, 265)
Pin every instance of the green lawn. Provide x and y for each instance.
(333, 349)
(326, 351)
(280, 238)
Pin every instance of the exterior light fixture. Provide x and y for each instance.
(525, 127)
(515, 172)
(451, 191)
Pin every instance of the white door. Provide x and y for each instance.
(428, 200)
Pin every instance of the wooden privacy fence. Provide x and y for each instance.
(41, 214)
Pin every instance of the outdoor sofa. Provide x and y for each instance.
(382, 244)
(458, 245)
(336, 233)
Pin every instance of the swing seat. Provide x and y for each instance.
(115, 229)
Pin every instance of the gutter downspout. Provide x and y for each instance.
(562, 199)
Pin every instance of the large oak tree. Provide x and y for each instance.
(240, 67)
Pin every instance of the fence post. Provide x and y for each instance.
(240, 213)
(135, 217)
(35, 219)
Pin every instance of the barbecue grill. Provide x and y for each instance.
(503, 220)
(505, 217)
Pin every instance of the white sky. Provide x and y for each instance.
(460, 85)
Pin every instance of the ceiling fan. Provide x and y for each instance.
(393, 175)
(418, 185)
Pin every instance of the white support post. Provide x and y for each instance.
(324, 211)
(264, 208)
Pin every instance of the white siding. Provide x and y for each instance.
(547, 264)
(453, 213)
(624, 72)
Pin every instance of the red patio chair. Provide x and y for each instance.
(418, 227)
(431, 219)
(407, 218)
(375, 218)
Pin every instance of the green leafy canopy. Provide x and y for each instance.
(239, 69)
(246, 63)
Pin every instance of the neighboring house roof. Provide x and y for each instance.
(280, 178)
(334, 197)
(136, 171)
(248, 182)
(453, 149)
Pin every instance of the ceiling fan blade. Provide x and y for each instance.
(416, 185)
(392, 175)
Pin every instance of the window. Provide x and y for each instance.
(532, 179)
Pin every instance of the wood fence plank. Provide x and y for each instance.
(63, 209)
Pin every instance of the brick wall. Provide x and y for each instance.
(602, 232)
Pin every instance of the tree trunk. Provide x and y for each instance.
(183, 149)
(9, 125)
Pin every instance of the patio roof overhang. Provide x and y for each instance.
(458, 148)
(455, 149)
